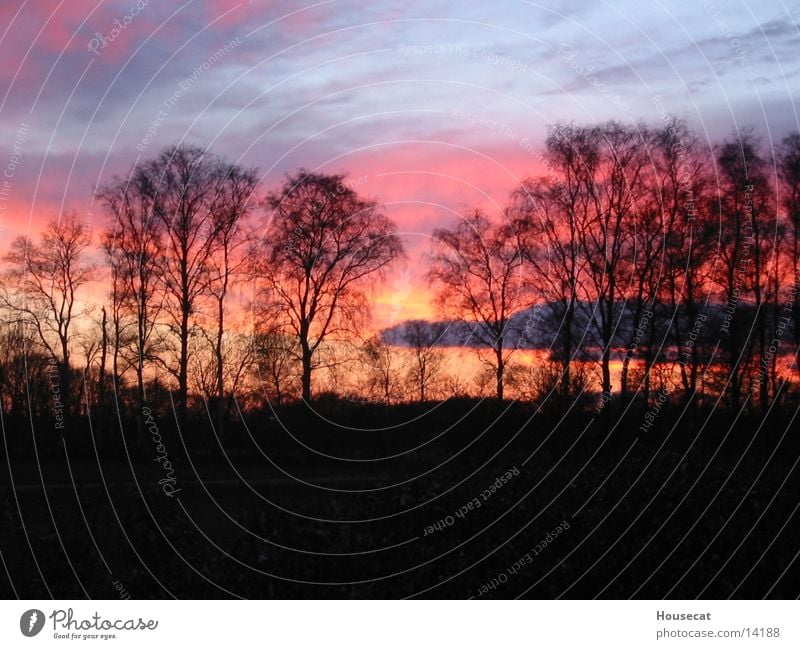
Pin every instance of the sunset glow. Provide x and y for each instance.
(437, 111)
(305, 300)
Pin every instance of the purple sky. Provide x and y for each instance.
(435, 105)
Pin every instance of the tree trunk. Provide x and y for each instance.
(608, 333)
(566, 356)
(500, 369)
(776, 288)
(183, 369)
(606, 367)
(220, 375)
(760, 322)
(115, 357)
(796, 307)
(422, 384)
(623, 374)
(101, 379)
(66, 396)
(141, 324)
(305, 378)
(605, 359)
(141, 398)
(650, 358)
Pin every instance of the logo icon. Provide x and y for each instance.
(31, 622)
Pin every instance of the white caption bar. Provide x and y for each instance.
(404, 625)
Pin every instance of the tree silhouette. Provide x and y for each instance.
(476, 268)
(680, 189)
(640, 245)
(427, 361)
(228, 260)
(743, 206)
(612, 179)
(276, 360)
(789, 170)
(548, 213)
(381, 370)
(183, 185)
(321, 245)
(133, 246)
(44, 279)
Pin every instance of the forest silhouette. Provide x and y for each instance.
(208, 355)
(641, 255)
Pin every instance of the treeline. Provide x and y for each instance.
(645, 247)
(641, 252)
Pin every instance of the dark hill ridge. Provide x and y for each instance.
(541, 327)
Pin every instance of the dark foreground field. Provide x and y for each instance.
(462, 500)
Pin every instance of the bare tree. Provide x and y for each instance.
(476, 268)
(228, 260)
(93, 344)
(427, 361)
(183, 186)
(643, 268)
(24, 376)
(382, 370)
(670, 185)
(103, 362)
(132, 244)
(680, 190)
(549, 213)
(45, 278)
(612, 178)
(276, 363)
(743, 206)
(789, 169)
(321, 245)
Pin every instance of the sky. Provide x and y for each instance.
(431, 107)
